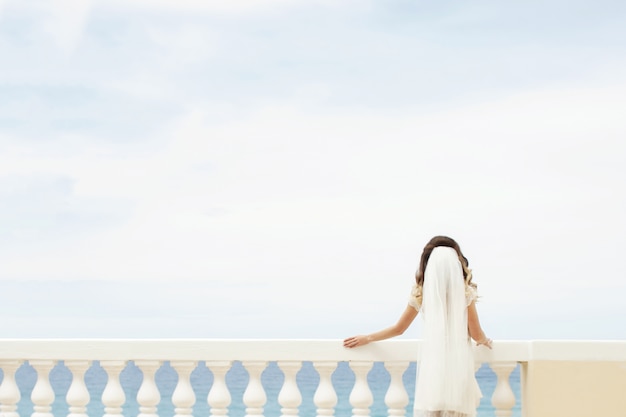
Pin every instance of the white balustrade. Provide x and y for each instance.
(254, 396)
(78, 396)
(9, 391)
(148, 395)
(219, 397)
(325, 398)
(42, 395)
(396, 398)
(361, 396)
(113, 396)
(289, 397)
(503, 398)
(183, 397)
(219, 356)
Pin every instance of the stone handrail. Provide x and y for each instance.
(219, 355)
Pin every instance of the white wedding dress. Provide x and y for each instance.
(446, 384)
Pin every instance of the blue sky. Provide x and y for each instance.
(273, 168)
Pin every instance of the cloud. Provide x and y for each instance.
(205, 143)
(284, 188)
(211, 6)
(63, 21)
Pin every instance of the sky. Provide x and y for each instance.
(273, 168)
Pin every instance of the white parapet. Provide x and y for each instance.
(183, 355)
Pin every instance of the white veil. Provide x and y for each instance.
(446, 385)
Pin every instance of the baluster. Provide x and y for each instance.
(503, 398)
(148, 396)
(183, 397)
(219, 396)
(254, 397)
(43, 394)
(477, 366)
(325, 398)
(361, 396)
(9, 391)
(396, 398)
(113, 396)
(77, 396)
(289, 397)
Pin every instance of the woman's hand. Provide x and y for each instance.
(356, 341)
(485, 342)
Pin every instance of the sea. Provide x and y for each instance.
(237, 380)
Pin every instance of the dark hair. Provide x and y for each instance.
(432, 244)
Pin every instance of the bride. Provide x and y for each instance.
(445, 295)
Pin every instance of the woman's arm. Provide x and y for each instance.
(473, 324)
(397, 329)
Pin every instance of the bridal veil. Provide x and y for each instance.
(446, 384)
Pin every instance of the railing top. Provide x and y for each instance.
(294, 350)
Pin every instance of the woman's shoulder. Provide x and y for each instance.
(471, 293)
(415, 299)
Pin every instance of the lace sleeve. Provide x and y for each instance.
(470, 294)
(415, 299)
